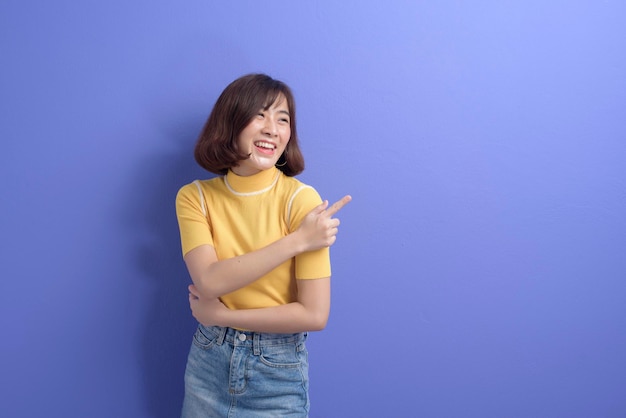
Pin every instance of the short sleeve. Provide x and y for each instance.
(312, 264)
(194, 225)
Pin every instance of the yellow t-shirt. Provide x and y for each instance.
(237, 215)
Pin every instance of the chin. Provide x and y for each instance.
(264, 165)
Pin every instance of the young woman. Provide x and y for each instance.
(256, 243)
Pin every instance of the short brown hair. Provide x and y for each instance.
(217, 147)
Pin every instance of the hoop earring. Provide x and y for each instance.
(284, 162)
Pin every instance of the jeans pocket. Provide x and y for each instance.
(282, 356)
(204, 338)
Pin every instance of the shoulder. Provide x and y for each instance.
(205, 185)
(301, 199)
(197, 189)
(298, 191)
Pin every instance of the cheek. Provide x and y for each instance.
(287, 136)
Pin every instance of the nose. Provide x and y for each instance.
(270, 127)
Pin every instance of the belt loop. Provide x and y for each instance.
(220, 338)
(256, 346)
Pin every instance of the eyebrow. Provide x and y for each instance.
(285, 112)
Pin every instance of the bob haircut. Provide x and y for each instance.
(217, 148)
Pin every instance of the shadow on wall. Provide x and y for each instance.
(168, 326)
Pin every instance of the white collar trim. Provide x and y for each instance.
(236, 193)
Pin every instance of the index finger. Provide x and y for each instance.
(335, 207)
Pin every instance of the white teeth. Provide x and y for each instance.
(264, 145)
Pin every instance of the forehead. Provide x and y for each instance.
(280, 103)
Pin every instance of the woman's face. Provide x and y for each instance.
(265, 138)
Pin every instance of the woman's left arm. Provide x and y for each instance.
(309, 313)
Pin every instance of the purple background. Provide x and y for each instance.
(479, 272)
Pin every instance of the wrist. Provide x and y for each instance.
(295, 243)
(221, 318)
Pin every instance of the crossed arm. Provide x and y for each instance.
(213, 278)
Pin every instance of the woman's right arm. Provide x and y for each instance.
(214, 278)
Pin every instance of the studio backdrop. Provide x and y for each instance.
(480, 270)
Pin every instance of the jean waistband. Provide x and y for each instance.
(255, 339)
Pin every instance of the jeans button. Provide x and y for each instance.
(242, 337)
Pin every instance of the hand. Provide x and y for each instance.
(318, 228)
(208, 312)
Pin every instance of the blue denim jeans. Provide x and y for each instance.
(237, 374)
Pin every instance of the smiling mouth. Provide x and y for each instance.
(265, 146)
